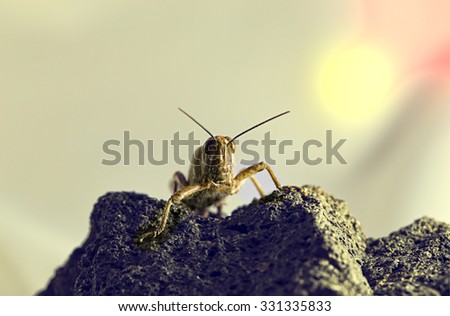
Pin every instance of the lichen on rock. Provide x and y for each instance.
(412, 261)
(298, 241)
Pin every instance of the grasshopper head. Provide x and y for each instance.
(218, 157)
(214, 160)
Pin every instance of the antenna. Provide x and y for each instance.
(197, 122)
(253, 127)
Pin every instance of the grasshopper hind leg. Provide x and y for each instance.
(178, 182)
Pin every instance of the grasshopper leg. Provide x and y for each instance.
(178, 182)
(175, 198)
(257, 186)
(250, 171)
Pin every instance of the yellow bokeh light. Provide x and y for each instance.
(353, 83)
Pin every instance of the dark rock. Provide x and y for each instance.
(413, 261)
(300, 241)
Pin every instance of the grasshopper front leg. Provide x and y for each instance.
(175, 198)
(250, 171)
(257, 186)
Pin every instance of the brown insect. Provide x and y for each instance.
(211, 176)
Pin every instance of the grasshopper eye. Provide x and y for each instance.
(211, 145)
(231, 143)
(233, 147)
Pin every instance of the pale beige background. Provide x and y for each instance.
(76, 73)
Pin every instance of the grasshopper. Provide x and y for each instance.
(211, 177)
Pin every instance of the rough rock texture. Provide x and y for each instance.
(300, 241)
(413, 261)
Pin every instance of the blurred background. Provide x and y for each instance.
(74, 74)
